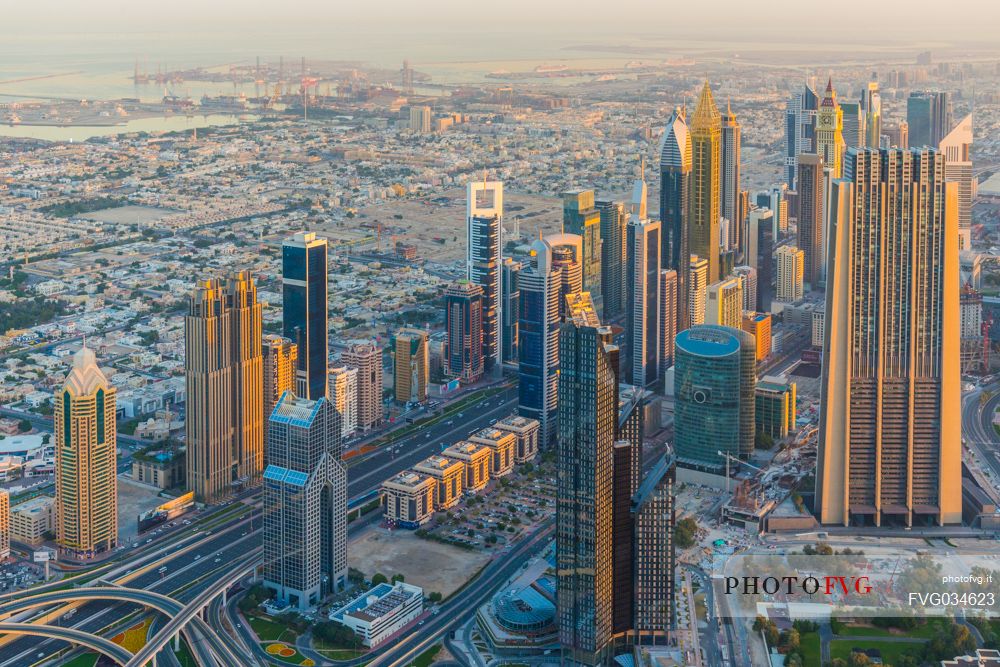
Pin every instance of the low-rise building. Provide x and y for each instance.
(32, 519)
(162, 467)
(476, 456)
(502, 445)
(408, 499)
(381, 612)
(448, 473)
(526, 431)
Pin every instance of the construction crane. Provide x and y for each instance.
(729, 456)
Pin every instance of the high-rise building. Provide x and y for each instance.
(510, 308)
(724, 303)
(420, 119)
(4, 525)
(748, 275)
(411, 366)
(668, 308)
(614, 240)
(343, 393)
(280, 360)
(367, 358)
(224, 372)
(713, 396)
(655, 554)
(706, 158)
(697, 289)
(800, 130)
(675, 207)
(791, 265)
(729, 173)
(928, 118)
(854, 125)
(588, 420)
(890, 419)
(484, 216)
(538, 353)
(759, 326)
(581, 217)
(775, 406)
(86, 465)
(304, 301)
(464, 325)
(760, 254)
(643, 321)
(829, 133)
(898, 135)
(871, 108)
(304, 503)
(812, 200)
(956, 147)
(566, 250)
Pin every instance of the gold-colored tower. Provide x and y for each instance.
(706, 154)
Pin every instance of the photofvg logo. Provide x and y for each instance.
(804, 585)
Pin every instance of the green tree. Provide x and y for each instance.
(685, 532)
(24, 426)
(379, 578)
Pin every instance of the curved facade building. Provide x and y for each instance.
(675, 188)
(714, 396)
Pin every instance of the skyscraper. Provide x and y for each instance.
(854, 125)
(643, 322)
(655, 553)
(706, 158)
(748, 276)
(675, 208)
(829, 133)
(566, 249)
(890, 415)
(812, 200)
(464, 308)
(613, 256)
(304, 503)
(800, 130)
(724, 303)
(928, 118)
(343, 394)
(484, 215)
(280, 360)
(729, 173)
(367, 358)
(760, 248)
(581, 217)
(510, 308)
(871, 108)
(411, 366)
(713, 396)
(538, 353)
(791, 266)
(668, 306)
(304, 299)
(588, 420)
(956, 147)
(698, 289)
(224, 372)
(86, 507)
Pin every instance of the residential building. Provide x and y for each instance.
(4, 525)
(583, 219)
(668, 319)
(33, 520)
(614, 241)
(697, 289)
(510, 308)
(464, 309)
(476, 457)
(343, 392)
(758, 325)
(724, 303)
(304, 302)
(748, 276)
(420, 119)
(791, 270)
(408, 499)
(367, 358)
(526, 430)
(484, 216)
(956, 147)
(411, 366)
(729, 175)
(655, 560)
(812, 219)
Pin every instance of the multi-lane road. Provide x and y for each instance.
(980, 437)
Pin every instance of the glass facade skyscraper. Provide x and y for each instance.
(675, 191)
(538, 351)
(484, 220)
(581, 217)
(613, 256)
(304, 299)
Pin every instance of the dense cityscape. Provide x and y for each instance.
(602, 358)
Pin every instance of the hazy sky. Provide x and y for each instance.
(909, 21)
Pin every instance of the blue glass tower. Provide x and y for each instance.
(538, 345)
(304, 294)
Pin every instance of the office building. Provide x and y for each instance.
(759, 326)
(343, 393)
(644, 319)
(280, 361)
(33, 520)
(526, 431)
(829, 133)
(706, 158)
(304, 503)
(538, 352)
(411, 366)
(378, 614)
(890, 416)
(502, 444)
(775, 406)
(622, 540)
(448, 475)
(304, 301)
(898, 135)
(871, 108)
(86, 508)
(581, 218)
(854, 125)
(928, 118)
(588, 420)
(655, 554)
(675, 208)
(408, 499)
(697, 289)
(760, 254)
(724, 303)
(614, 241)
(476, 458)
(420, 119)
(800, 130)
(748, 276)
(812, 200)
(956, 147)
(729, 173)
(224, 380)
(464, 308)
(484, 216)
(668, 306)
(367, 358)
(510, 308)
(713, 396)
(566, 251)
(791, 267)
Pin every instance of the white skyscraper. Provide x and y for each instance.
(484, 216)
(343, 393)
(698, 289)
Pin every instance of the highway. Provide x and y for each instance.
(980, 437)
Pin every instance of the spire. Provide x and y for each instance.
(706, 114)
(830, 98)
(829, 85)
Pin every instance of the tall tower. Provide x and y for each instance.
(224, 372)
(890, 415)
(928, 118)
(706, 156)
(800, 130)
(510, 310)
(729, 186)
(367, 358)
(830, 131)
(280, 359)
(588, 420)
(668, 306)
(956, 147)
(304, 301)
(812, 203)
(791, 266)
(484, 216)
(411, 366)
(724, 303)
(86, 460)
(304, 503)
(675, 208)
(581, 217)
(871, 107)
(464, 315)
(538, 360)
(644, 324)
(343, 395)
(760, 247)
(613, 255)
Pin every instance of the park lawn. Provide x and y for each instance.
(335, 651)
(296, 658)
(84, 660)
(269, 631)
(809, 643)
(924, 630)
(891, 651)
(863, 631)
(427, 657)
